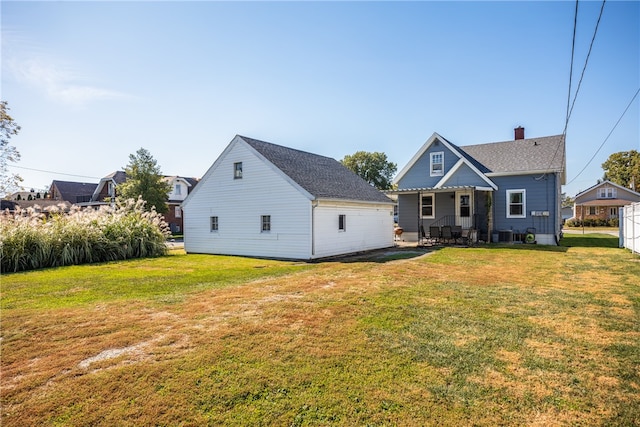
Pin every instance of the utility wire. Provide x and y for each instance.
(605, 140)
(56, 173)
(586, 61)
(573, 47)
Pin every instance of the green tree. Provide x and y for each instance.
(372, 167)
(623, 168)
(144, 179)
(9, 182)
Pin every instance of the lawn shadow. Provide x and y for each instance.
(591, 240)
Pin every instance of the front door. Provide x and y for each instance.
(464, 208)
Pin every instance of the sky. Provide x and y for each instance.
(91, 83)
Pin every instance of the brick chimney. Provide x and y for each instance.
(519, 132)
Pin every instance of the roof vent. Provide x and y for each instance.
(519, 133)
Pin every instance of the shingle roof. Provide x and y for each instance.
(322, 177)
(522, 155)
(71, 191)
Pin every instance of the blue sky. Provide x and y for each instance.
(92, 82)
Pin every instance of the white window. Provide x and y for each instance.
(428, 205)
(178, 190)
(593, 210)
(516, 204)
(178, 212)
(237, 170)
(607, 193)
(437, 164)
(265, 221)
(342, 222)
(613, 212)
(214, 223)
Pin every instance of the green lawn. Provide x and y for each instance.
(491, 335)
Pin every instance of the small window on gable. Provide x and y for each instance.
(214, 223)
(178, 190)
(516, 204)
(436, 164)
(342, 222)
(607, 193)
(265, 221)
(237, 170)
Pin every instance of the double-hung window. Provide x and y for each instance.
(516, 204)
(428, 206)
(265, 221)
(214, 223)
(436, 164)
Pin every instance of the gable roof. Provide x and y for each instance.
(465, 159)
(607, 183)
(531, 155)
(71, 191)
(322, 177)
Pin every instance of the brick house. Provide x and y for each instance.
(603, 201)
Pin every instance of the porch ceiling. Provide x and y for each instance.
(447, 189)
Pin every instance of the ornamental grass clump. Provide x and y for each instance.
(30, 240)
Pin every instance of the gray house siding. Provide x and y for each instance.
(541, 195)
(419, 176)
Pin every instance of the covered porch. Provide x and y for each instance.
(453, 213)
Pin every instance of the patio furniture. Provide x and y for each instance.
(447, 233)
(434, 234)
(456, 232)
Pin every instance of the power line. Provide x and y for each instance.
(573, 48)
(595, 31)
(55, 173)
(605, 140)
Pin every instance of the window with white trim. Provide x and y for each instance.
(178, 190)
(342, 222)
(265, 221)
(436, 164)
(428, 205)
(214, 223)
(593, 210)
(607, 193)
(516, 204)
(178, 212)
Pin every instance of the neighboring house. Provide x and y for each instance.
(567, 213)
(265, 200)
(602, 201)
(501, 189)
(72, 192)
(27, 195)
(180, 189)
(105, 192)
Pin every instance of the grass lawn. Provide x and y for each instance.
(491, 335)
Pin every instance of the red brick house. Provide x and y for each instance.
(602, 201)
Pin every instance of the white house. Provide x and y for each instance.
(265, 200)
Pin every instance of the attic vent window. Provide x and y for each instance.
(237, 170)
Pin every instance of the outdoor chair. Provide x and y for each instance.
(456, 232)
(446, 233)
(434, 234)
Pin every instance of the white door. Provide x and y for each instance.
(464, 208)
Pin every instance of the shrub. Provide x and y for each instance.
(31, 240)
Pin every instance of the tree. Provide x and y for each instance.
(566, 200)
(372, 167)
(144, 179)
(623, 168)
(9, 182)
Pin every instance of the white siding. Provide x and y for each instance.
(367, 227)
(239, 204)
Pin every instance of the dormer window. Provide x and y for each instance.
(237, 170)
(436, 164)
(178, 190)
